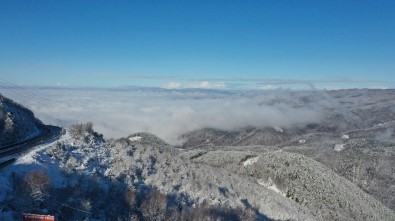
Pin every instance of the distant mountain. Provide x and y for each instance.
(343, 110)
(17, 123)
(241, 137)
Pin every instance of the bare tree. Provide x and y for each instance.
(130, 197)
(154, 206)
(37, 184)
(78, 131)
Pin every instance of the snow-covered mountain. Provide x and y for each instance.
(17, 123)
(79, 179)
(93, 175)
(355, 139)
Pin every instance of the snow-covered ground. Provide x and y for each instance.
(56, 160)
(31, 161)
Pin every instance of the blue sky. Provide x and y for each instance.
(209, 44)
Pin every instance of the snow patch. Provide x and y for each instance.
(250, 161)
(278, 129)
(270, 185)
(345, 136)
(135, 138)
(339, 147)
(32, 156)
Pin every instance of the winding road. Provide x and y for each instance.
(49, 134)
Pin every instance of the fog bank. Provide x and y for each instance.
(169, 114)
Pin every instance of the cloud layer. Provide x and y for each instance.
(201, 85)
(169, 114)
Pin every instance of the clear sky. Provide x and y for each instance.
(212, 44)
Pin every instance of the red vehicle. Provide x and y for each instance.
(35, 217)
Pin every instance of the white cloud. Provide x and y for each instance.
(173, 85)
(269, 87)
(208, 85)
(201, 85)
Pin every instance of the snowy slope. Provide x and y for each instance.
(17, 123)
(86, 174)
(64, 162)
(55, 158)
(281, 185)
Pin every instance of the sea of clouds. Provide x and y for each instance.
(171, 113)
